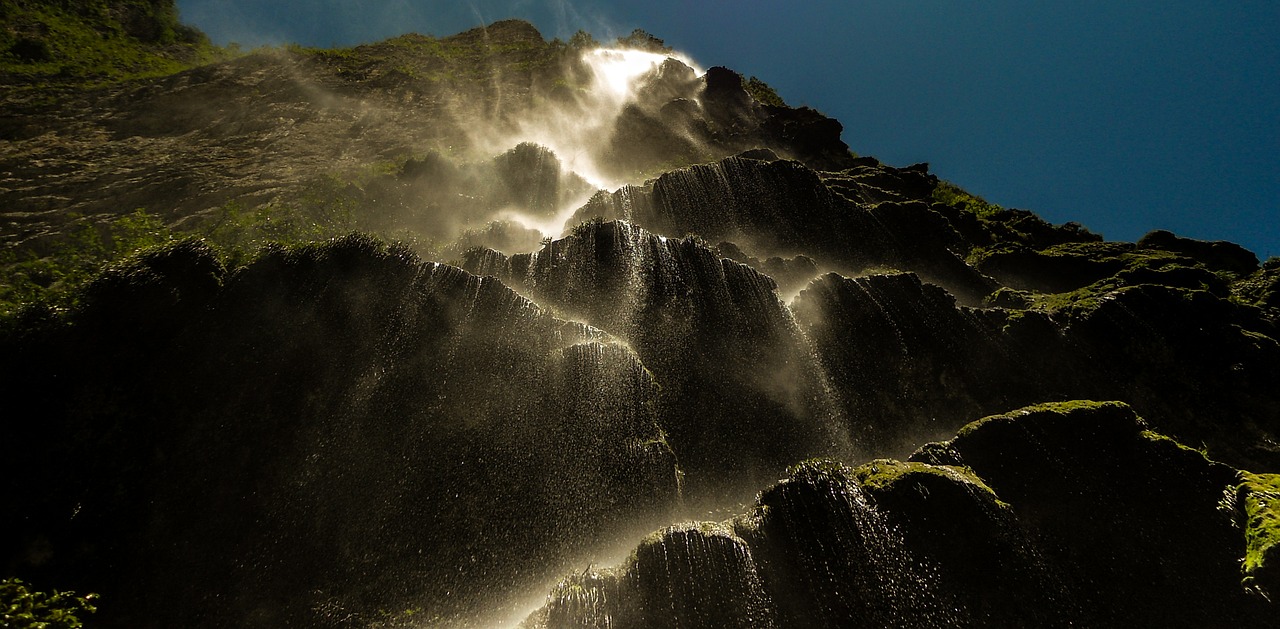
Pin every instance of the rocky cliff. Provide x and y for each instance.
(590, 349)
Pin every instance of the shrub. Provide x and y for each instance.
(21, 608)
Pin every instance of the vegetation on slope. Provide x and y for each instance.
(1258, 505)
(24, 608)
(95, 41)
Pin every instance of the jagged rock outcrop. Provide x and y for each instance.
(739, 390)
(782, 206)
(1056, 515)
(908, 363)
(271, 126)
(898, 361)
(317, 433)
(791, 274)
(1257, 511)
(1262, 289)
(1129, 517)
(332, 430)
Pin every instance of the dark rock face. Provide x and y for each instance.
(683, 576)
(791, 274)
(739, 390)
(318, 433)
(1217, 256)
(782, 206)
(329, 416)
(1066, 515)
(677, 115)
(910, 364)
(259, 129)
(1131, 518)
(907, 362)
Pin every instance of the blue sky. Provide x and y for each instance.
(1123, 116)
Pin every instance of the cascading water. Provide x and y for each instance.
(576, 128)
(338, 430)
(730, 359)
(815, 552)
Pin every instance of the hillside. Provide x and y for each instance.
(493, 330)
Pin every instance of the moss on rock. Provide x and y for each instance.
(1258, 504)
(881, 474)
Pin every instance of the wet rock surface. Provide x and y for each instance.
(783, 207)
(327, 416)
(1064, 514)
(908, 361)
(739, 388)
(338, 432)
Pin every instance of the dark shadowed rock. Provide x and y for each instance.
(1217, 255)
(909, 364)
(1069, 514)
(782, 207)
(334, 429)
(1130, 516)
(739, 390)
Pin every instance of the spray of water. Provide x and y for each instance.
(576, 127)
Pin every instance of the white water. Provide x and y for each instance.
(576, 130)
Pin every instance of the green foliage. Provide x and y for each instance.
(881, 473)
(21, 608)
(321, 211)
(1258, 502)
(950, 194)
(583, 40)
(85, 250)
(764, 94)
(96, 41)
(458, 61)
(639, 39)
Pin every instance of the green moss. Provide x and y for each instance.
(1056, 408)
(951, 194)
(1152, 435)
(880, 474)
(86, 248)
(824, 469)
(457, 61)
(1078, 301)
(1119, 265)
(22, 608)
(1258, 502)
(763, 93)
(96, 42)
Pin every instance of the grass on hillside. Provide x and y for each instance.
(96, 42)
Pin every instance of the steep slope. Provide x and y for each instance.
(911, 364)
(328, 416)
(47, 43)
(302, 126)
(664, 288)
(1056, 515)
(772, 207)
(740, 392)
